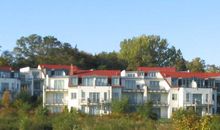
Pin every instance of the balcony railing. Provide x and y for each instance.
(56, 89)
(133, 90)
(158, 103)
(57, 103)
(152, 90)
(89, 101)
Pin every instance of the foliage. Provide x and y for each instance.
(196, 65)
(212, 68)
(120, 106)
(149, 51)
(6, 98)
(146, 111)
(185, 119)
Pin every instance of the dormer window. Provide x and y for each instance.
(131, 75)
(74, 81)
(101, 81)
(151, 74)
(115, 81)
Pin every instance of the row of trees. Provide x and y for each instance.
(137, 51)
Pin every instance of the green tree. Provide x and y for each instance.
(149, 51)
(120, 106)
(146, 111)
(196, 65)
(186, 119)
(109, 60)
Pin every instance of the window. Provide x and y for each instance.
(36, 75)
(105, 96)
(174, 82)
(151, 74)
(87, 81)
(74, 81)
(174, 97)
(197, 98)
(58, 97)
(154, 84)
(213, 97)
(58, 84)
(73, 95)
(5, 86)
(101, 81)
(58, 72)
(16, 75)
(131, 75)
(187, 97)
(83, 95)
(115, 95)
(206, 97)
(130, 84)
(94, 97)
(115, 81)
(155, 97)
(5, 74)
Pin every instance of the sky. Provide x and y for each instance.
(193, 26)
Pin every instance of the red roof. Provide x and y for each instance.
(166, 69)
(107, 73)
(6, 68)
(67, 67)
(189, 74)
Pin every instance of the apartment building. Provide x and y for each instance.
(9, 80)
(89, 91)
(92, 91)
(31, 80)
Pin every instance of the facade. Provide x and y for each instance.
(31, 80)
(9, 80)
(89, 91)
(92, 91)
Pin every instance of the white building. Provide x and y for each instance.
(92, 91)
(89, 91)
(31, 79)
(9, 80)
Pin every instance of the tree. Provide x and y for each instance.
(6, 98)
(120, 106)
(148, 51)
(212, 68)
(109, 60)
(146, 111)
(196, 65)
(186, 119)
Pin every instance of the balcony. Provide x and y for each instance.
(89, 101)
(56, 103)
(151, 90)
(133, 90)
(49, 89)
(159, 104)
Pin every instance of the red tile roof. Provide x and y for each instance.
(166, 69)
(189, 74)
(6, 68)
(107, 73)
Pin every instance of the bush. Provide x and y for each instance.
(186, 119)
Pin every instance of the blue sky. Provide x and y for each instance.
(190, 25)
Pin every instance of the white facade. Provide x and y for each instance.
(93, 94)
(31, 78)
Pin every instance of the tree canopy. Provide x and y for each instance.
(150, 51)
(145, 50)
